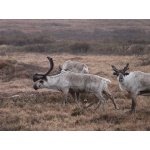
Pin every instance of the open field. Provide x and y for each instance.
(22, 108)
(24, 46)
(104, 37)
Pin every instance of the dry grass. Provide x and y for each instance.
(22, 108)
(103, 37)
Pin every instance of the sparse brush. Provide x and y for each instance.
(77, 111)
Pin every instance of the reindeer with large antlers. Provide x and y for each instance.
(68, 81)
(135, 83)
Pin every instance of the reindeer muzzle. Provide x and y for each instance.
(121, 79)
(35, 87)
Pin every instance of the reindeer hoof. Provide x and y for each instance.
(117, 108)
(63, 105)
(130, 112)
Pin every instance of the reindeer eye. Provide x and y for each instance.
(41, 81)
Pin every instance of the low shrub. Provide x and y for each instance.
(79, 48)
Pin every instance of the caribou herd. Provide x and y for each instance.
(74, 78)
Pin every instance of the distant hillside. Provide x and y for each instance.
(102, 36)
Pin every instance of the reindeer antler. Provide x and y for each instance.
(126, 67)
(51, 65)
(41, 76)
(114, 68)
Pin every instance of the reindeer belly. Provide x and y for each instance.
(145, 92)
(83, 83)
(144, 88)
(77, 88)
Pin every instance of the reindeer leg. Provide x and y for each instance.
(85, 99)
(91, 104)
(78, 97)
(134, 101)
(73, 95)
(107, 93)
(101, 101)
(77, 100)
(64, 100)
(65, 94)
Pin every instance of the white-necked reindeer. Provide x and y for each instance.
(68, 81)
(77, 67)
(135, 83)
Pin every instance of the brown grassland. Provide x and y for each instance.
(23, 108)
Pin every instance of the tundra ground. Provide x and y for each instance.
(23, 108)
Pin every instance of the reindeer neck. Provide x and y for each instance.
(126, 84)
(52, 81)
(122, 85)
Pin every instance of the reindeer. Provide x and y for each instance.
(74, 66)
(135, 83)
(77, 67)
(68, 81)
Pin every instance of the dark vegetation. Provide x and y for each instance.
(117, 37)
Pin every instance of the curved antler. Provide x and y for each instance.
(51, 65)
(41, 76)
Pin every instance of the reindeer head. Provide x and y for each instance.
(41, 78)
(121, 73)
(59, 69)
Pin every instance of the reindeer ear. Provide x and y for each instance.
(113, 67)
(126, 73)
(115, 74)
(36, 77)
(60, 68)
